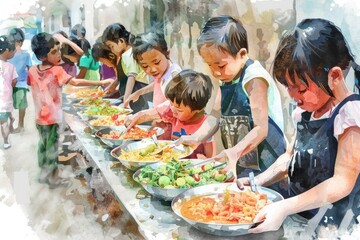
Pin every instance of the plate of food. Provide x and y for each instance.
(167, 180)
(137, 154)
(207, 207)
(114, 137)
(103, 110)
(115, 121)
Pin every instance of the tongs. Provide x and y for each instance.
(252, 182)
(159, 152)
(200, 163)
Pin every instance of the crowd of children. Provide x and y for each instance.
(312, 62)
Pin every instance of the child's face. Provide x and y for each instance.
(154, 63)
(309, 98)
(116, 48)
(181, 112)
(54, 56)
(9, 54)
(222, 64)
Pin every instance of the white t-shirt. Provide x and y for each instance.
(7, 75)
(348, 116)
(169, 74)
(256, 70)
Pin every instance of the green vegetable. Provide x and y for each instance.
(164, 181)
(180, 182)
(220, 177)
(148, 149)
(190, 180)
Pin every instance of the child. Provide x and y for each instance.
(251, 114)
(188, 93)
(21, 61)
(89, 68)
(46, 80)
(8, 77)
(312, 61)
(151, 52)
(103, 54)
(117, 38)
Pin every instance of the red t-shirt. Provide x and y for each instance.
(46, 91)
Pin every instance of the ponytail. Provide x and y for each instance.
(356, 68)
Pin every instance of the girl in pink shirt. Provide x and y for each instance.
(8, 77)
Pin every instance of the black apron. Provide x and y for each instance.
(142, 102)
(236, 121)
(313, 161)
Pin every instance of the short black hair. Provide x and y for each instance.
(5, 43)
(41, 44)
(147, 41)
(114, 32)
(191, 88)
(311, 49)
(16, 35)
(78, 31)
(224, 32)
(100, 50)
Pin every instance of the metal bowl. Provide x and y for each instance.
(169, 194)
(213, 190)
(117, 142)
(136, 164)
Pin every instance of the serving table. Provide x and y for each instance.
(154, 218)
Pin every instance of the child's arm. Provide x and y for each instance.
(13, 82)
(82, 72)
(142, 116)
(135, 96)
(347, 169)
(83, 82)
(64, 40)
(209, 149)
(129, 87)
(257, 90)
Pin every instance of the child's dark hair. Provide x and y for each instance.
(312, 49)
(85, 46)
(224, 32)
(5, 43)
(16, 35)
(114, 32)
(78, 31)
(147, 41)
(100, 50)
(193, 89)
(41, 44)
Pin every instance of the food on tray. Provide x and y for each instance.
(113, 120)
(174, 175)
(227, 208)
(132, 134)
(146, 154)
(93, 102)
(103, 111)
(88, 92)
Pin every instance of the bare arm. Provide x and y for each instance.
(257, 90)
(347, 169)
(129, 87)
(142, 116)
(13, 82)
(135, 96)
(83, 82)
(82, 72)
(64, 40)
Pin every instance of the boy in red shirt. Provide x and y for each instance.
(187, 94)
(45, 81)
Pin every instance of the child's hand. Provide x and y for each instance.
(107, 81)
(241, 182)
(230, 166)
(273, 216)
(133, 97)
(187, 140)
(60, 38)
(131, 120)
(111, 88)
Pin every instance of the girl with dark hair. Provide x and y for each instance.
(323, 161)
(117, 38)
